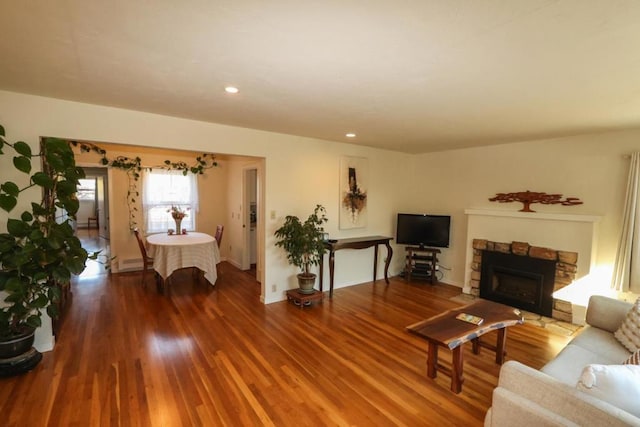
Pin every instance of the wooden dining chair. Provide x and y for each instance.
(146, 262)
(218, 236)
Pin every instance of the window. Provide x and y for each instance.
(162, 189)
(86, 189)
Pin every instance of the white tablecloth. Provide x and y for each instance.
(173, 252)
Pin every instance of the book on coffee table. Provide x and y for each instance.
(470, 318)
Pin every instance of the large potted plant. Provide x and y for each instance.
(304, 244)
(38, 251)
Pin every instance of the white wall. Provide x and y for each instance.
(299, 172)
(592, 168)
(302, 172)
(87, 209)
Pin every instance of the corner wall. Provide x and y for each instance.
(590, 167)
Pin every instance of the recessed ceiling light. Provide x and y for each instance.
(350, 135)
(231, 89)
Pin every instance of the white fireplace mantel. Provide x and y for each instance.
(559, 231)
(534, 215)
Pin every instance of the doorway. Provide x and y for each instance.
(250, 259)
(94, 203)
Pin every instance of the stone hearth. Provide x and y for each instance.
(565, 273)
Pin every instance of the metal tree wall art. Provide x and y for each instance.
(529, 197)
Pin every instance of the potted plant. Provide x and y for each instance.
(38, 252)
(304, 244)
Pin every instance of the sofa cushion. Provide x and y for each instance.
(634, 359)
(616, 384)
(606, 313)
(592, 345)
(569, 363)
(629, 332)
(603, 343)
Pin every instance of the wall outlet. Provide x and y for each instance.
(274, 288)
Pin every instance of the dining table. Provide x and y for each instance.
(171, 252)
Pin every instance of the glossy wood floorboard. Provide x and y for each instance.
(208, 356)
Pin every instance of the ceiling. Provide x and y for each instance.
(406, 75)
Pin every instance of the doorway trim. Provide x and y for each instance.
(246, 221)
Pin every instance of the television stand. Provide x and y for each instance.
(421, 262)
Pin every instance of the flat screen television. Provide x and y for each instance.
(423, 230)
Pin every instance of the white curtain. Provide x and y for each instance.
(626, 270)
(162, 189)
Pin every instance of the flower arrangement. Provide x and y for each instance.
(355, 199)
(177, 212)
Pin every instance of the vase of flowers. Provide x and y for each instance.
(177, 213)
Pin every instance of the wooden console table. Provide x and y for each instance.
(356, 243)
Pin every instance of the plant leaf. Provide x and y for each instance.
(71, 205)
(38, 210)
(10, 188)
(61, 275)
(55, 242)
(54, 293)
(17, 228)
(40, 277)
(22, 163)
(43, 180)
(52, 311)
(23, 148)
(6, 242)
(40, 302)
(7, 202)
(75, 265)
(66, 188)
(14, 285)
(34, 321)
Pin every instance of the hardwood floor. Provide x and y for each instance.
(207, 356)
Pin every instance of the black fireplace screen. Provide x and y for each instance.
(519, 281)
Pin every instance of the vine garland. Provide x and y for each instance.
(133, 168)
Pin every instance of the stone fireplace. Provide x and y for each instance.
(523, 276)
(568, 240)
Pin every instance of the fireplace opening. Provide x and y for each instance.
(518, 281)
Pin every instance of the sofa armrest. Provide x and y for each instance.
(511, 409)
(606, 313)
(541, 390)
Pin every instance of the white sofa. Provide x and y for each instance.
(549, 397)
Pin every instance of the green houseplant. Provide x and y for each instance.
(304, 244)
(38, 251)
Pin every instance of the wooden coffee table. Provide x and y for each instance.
(447, 331)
